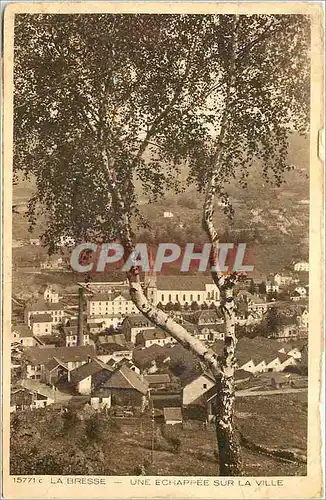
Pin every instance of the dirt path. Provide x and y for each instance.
(249, 392)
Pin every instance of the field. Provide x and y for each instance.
(42, 443)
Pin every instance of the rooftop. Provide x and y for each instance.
(44, 390)
(183, 283)
(152, 334)
(41, 318)
(158, 378)
(37, 355)
(124, 378)
(174, 414)
(88, 369)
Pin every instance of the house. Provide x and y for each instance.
(153, 336)
(168, 215)
(52, 263)
(282, 280)
(49, 293)
(272, 287)
(295, 296)
(71, 336)
(279, 380)
(113, 351)
(303, 318)
(35, 359)
(43, 395)
(55, 371)
(95, 327)
(35, 242)
(20, 399)
(286, 332)
(110, 308)
(15, 332)
(211, 332)
(130, 364)
(41, 324)
(197, 387)
(85, 377)
(107, 337)
(172, 416)
(23, 335)
(27, 339)
(32, 307)
(258, 305)
(183, 290)
(134, 324)
(302, 291)
(301, 266)
(158, 380)
(208, 316)
(259, 355)
(243, 296)
(125, 387)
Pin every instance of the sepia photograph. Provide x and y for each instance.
(160, 263)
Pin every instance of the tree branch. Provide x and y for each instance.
(158, 120)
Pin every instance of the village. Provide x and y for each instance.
(93, 346)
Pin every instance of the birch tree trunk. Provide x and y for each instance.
(228, 446)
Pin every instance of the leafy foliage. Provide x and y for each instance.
(103, 101)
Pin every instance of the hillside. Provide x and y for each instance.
(274, 220)
(44, 442)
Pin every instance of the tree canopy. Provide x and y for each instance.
(147, 93)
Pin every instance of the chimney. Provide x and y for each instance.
(80, 327)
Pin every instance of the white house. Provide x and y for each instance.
(154, 336)
(301, 290)
(27, 339)
(303, 319)
(258, 306)
(272, 287)
(41, 324)
(71, 335)
(82, 378)
(196, 388)
(281, 279)
(55, 310)
(52, 263)
(49, 293)
(110, 308)
(134, 324)
(168, 215)
(301, 266)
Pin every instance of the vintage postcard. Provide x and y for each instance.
(162, 250)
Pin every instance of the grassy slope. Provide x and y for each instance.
(283, 236)
(266, 421)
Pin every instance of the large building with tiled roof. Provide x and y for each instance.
(110, 308)
(182, 289)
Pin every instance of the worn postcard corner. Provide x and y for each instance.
(163, 250)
